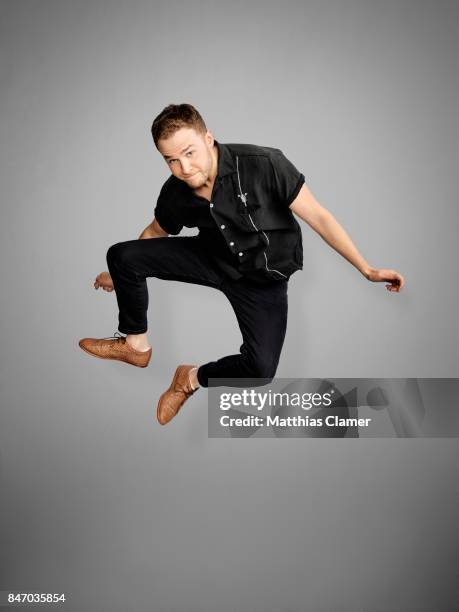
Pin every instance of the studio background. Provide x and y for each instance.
(97, 499)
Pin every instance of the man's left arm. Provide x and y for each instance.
(324, 223)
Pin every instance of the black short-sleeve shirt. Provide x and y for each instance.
(247, 226)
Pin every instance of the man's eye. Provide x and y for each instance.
(190, 152)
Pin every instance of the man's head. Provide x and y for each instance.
(182, 138)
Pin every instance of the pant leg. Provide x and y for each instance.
(261, 312)
(130, 263)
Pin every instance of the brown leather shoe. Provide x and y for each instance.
(115, 347)
(173, 399)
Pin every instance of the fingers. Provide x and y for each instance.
(104, 287)
(393, 277)
(104, 280)
(107, 288)
(397, 281)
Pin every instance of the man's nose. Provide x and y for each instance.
(186, 167)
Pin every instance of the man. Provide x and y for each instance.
(242, 198)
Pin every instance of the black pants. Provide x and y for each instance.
(261, 310)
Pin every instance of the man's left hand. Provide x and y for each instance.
(395, 279)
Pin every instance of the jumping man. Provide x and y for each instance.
(242, 198)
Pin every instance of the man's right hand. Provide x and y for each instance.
(104, 280)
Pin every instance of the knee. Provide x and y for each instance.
(263, 367)
(120, 253)
(113, 253)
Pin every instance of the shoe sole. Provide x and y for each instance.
(163, 394)
(113, 358)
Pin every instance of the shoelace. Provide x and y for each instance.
(115, 337)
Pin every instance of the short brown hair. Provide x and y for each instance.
(174, 117)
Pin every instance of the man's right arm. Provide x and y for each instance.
(154, 230)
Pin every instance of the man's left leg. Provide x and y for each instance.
(261, 312)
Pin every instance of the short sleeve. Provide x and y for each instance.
(165, 210)
(287, 179)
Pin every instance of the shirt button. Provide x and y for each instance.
(240, 254)
(231, 243)
(223, 226)
(211, 205)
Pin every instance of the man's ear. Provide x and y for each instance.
(210, 138)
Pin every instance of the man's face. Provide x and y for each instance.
(188, 155)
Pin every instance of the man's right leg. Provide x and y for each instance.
(130, 263)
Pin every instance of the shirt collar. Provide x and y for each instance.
(225, 160)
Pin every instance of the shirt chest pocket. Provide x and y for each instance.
(248, 217)
(255, 216)
(245, 208)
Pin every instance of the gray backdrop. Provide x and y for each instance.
(98, 500)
